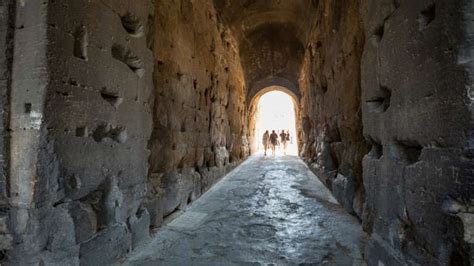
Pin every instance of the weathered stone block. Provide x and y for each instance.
(6, 241)
(107, 247)
(171, 200)
(139, 226)
(85, 220)
(344, 191)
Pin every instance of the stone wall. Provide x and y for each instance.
(333, 144)
(6, 10)
(116, 114)
(386, 123)
(466, 60)
(90, 124)
(86, 74)
(6, 30)
(418, 174)
(27, 90)
(199, 129)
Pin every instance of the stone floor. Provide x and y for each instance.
(266, 211)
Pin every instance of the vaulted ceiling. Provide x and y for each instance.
(271, 35)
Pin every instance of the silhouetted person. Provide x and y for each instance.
(284, 137)
(273, 141)
(266, 141)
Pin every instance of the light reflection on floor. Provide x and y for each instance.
(267, 211)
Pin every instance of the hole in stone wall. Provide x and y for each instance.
(117, 134)
(396, 3)
(324, 84)
(334, 134)
(376, 152)
(190, 199)
(379, 32)
(28, 107)
(81, 41)
(82, 132)
(73, 183)
(132, 25)
(426, 17)
(111, 97)
(181, 163)
(127, 57)
(381, 102)
(409, 151)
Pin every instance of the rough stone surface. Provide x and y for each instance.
(115, 115)
(107, 247)
(416, 116)
(200, 116)
(85, 220)
(265, 211)
(333, 144)
(343, 189)
(6, 13)
(139, 227)
(6, 16)
(90, 122)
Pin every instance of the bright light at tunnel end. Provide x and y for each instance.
(276, 111)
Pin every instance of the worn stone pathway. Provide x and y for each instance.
(266, 211)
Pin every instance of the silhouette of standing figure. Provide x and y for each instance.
(273, 141)
(265, 141)
(284, 140)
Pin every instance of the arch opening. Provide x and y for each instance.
(274, 108)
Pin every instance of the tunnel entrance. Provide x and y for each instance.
(274, 108)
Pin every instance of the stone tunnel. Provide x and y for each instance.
(118, 115)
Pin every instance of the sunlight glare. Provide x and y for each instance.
(276, 111)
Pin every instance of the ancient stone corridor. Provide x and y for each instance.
(120, 121)
(266, 211)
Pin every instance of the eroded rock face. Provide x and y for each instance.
(416, 115)
(333, 145)
(120, 81)
(118, 113)
(199, 116)
(393, 147)
(6, 31)
(92, 127)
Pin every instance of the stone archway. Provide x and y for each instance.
(253, 111)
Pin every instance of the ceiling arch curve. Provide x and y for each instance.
(243, 16)
(271, 55)
(255, 98)
(271, 83)
(271, 35)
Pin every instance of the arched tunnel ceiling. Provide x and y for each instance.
(271, 54)
(271, 35)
